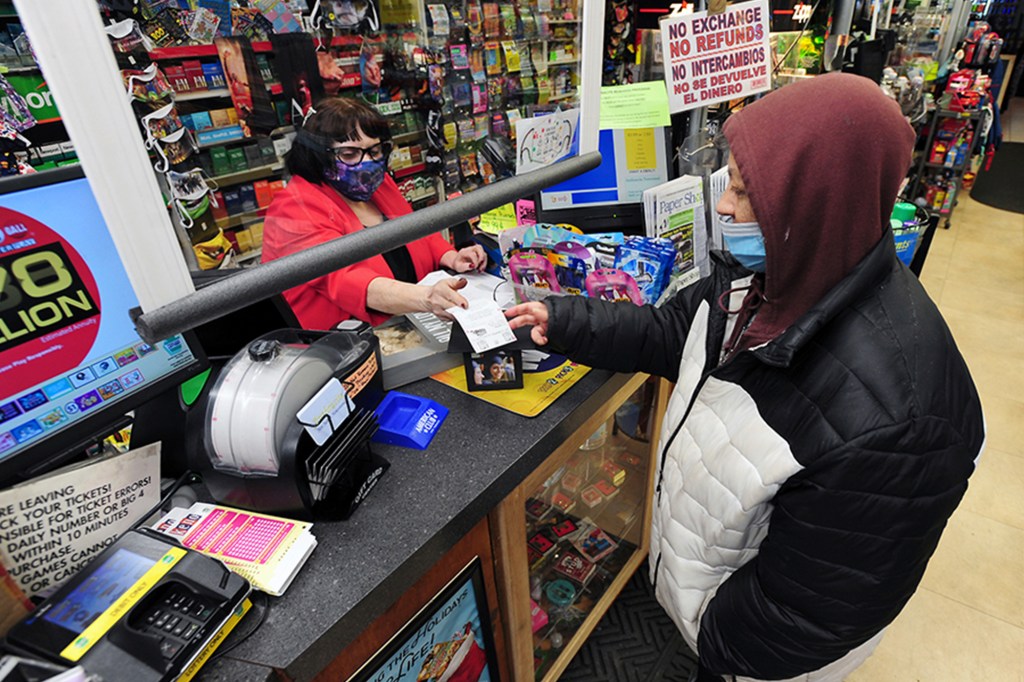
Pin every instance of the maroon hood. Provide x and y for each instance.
(822, 161)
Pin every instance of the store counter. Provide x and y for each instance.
(420, 509)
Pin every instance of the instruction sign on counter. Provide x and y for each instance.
(710, 59)
(51, 527)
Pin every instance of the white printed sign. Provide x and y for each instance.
(51, 527)
(543, 140)
(710, 59)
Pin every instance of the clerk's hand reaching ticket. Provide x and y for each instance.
(533, 313)
(469, 259)
(445, 294)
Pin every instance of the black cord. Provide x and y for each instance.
(185, 478)
(264, 610)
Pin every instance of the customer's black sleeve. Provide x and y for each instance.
(622, 336)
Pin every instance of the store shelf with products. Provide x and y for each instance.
(242, 219)
(416, 198)
(570, 578)
(942, 166)
(973, 115)
(248, 256)
(951, 143)
(406, 138)
(248, 175)
(408, 170)
(201, 94)
(193, 51)
(563, 96)
(220, 136)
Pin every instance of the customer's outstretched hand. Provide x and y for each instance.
(534, 314)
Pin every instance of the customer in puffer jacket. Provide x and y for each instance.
(823, 424)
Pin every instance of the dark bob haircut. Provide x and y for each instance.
(338, 119)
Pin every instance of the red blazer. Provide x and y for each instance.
(304, 215)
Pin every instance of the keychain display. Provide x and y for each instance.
(212, 252)
(172, 149)
(126, 36)
(162, 122)
(147, 85)
(190, 185)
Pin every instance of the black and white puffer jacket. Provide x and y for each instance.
(802, 485)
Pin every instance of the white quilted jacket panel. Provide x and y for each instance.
(720, 474)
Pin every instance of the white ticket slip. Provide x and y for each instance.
(485, 325)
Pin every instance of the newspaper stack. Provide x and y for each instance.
(675, 211)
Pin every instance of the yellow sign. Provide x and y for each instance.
(498, 219)
(640, 151)
(639, 105)
(400, 12)
(124, 603)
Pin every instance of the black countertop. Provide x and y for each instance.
(423, 505)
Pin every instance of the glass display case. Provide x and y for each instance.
(573, 534)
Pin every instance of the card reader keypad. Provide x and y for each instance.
(179, 618)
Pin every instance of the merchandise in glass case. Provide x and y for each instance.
(583, 525)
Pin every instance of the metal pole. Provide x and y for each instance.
(591, 57)
(271, 278)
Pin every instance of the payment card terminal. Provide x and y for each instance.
(142, 610)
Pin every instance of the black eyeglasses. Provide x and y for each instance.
(353, 156)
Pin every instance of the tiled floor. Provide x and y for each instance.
(966, 622)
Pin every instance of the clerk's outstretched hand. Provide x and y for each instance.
(443, 295)
(533, 314)
(469, 259)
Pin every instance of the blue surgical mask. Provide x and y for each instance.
(358, 182)
(745, 242)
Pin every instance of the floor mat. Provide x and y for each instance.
(1001, 186)
(634, 642)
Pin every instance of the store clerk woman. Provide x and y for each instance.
(339, 185)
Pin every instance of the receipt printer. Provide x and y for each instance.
(141, 611)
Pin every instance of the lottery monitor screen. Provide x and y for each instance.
(71, 362)
(610, 196)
